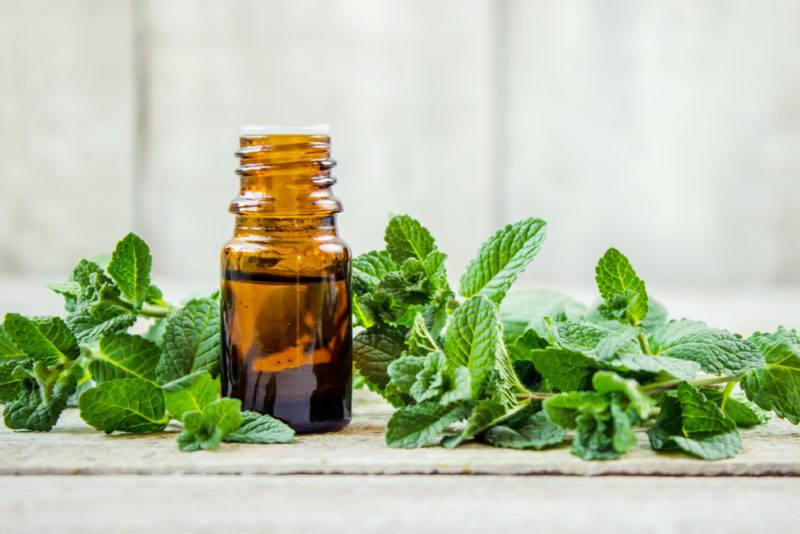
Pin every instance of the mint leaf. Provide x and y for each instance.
(261, 428)
(406, 238)
(206, 429)
(374, 350)
(622, 290)
(563, 409)
(44, 339)
(690, 422)
(776, 386)
(420, 341)
(531, 432)
(9, 351)
(418, 425)
(98, 310)
(403, 372)
(638, 401)
(716, 447)
(10, 380)
(472, 340)
(502, 258)
(564, 369)
(125, 404)
(124, 356)
(522, 310)
(194, 392)
(369, 269)
(198, 433)
(657, 365)
(90, 325)
(781, 335)
(486, 414)
(737, 408)
(43, 397)
(191, 341)
(603, 434)
(130, 268)
(701, 415)
(717, 351)
(431, 379)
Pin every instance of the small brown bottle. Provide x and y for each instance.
(286, 324)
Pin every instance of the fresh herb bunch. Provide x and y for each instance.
(521, 372)
(123, 381)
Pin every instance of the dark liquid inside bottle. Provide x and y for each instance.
(287, 348)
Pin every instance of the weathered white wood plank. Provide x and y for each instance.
(75, 448)
(406, 87)
(244, 504)
(668, 129)
(66, 127)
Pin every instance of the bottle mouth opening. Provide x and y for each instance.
(248, 130)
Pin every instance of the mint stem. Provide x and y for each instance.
(644, 343)
(535, 395)
(660, 387)
(726, 393)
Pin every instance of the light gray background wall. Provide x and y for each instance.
(668, 129)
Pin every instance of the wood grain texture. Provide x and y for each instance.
(435, 504)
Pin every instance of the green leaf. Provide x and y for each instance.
(403, 372)
(125, 356)
(261, 428)
(43, 397)
(431, 380)
(191, 393)
(782, 335)
(206, 429)
(502, 258)
(11, 382)
(603, 434)
(564, 369)
(639, 402)
(472, 340)
(562, 409)
(657, 365)
(716, 447)
(521, 310)
(418, 425)
(191, 341)
(125, 404)
(737, 408)
(406, 238)
(776, 386)
(130, 268)
(486, 414)
(622, 290)
(693, 423)
(198, 433)
(89, 326)
(374, 350)
(717, 351)
(369, 269)
(44, 339)
(458, 388)
(701, 416)
(9, 351)
(420, 341)
(532, 432)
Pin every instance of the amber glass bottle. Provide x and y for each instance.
(286, 326)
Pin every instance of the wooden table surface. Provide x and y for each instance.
(75, 479)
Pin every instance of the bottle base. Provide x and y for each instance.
(319, 426)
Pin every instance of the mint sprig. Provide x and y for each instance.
(524, 371)
(124, 382)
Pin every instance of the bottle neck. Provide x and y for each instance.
(253, 226)
(285, 176)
